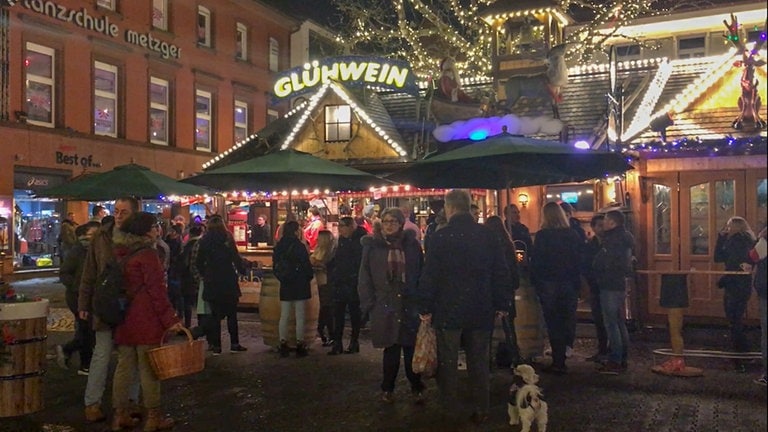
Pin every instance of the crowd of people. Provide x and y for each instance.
(383, 271)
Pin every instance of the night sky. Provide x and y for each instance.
(320, 11)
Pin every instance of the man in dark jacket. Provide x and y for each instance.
(612, 265)
(465, 281)
(591, 249)
(342, 277)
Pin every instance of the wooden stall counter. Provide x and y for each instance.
(250, 285)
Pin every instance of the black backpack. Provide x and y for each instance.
(284, 268)
(110, 299)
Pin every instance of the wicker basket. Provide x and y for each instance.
(170, 361)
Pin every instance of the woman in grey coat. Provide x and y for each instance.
(389, 273)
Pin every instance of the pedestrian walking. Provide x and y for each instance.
(465, 282)
(70, 273)
(219, 264)
(343, 273)
(99, 254)
(389, 274)
(320, 258)
(292, 268)
(188, 275)
(613, 265)
(148, 317)
(734, 242)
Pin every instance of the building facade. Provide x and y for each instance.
(93, 84)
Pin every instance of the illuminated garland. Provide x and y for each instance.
(728, 146)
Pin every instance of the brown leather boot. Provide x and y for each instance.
(157, 421)
(93, 413)
(122, 419)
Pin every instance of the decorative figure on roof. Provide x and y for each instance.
(548, 84)
(450, 103)
(749, 101)
(450, 82)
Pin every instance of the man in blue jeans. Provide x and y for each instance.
(464, 283)
(96, 260)
(612, 265)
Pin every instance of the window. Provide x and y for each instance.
(338, 123)
(241, 44)
(107, 4)
(580, 196)
(160, 14)
(203, 26)
(40, 81)
(203, 116)
(628, 52)
(272, 115)
(691, 47)
(274, 54)
(105, 99)
(158, 111)
(241, 120)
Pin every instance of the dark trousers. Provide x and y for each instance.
(735, 299)
(597, 317)
(219, 311)
(558, 304)
(340, 309)
(325, 316)
(476, 345)
(391, 365)
(82, 342)
(189, 301)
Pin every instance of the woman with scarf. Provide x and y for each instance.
(389, 272)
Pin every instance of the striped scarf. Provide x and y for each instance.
(396, 259)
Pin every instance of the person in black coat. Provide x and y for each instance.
(555, 261)
(219, 263)
(464, 284)
(294, 271)
(342, 277)
(591, 249)
(734, 242)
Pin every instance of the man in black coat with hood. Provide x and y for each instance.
(342, 277)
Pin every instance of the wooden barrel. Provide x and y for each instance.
(22, 359)
(529, 325)
(269, 314)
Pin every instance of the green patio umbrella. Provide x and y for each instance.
(286, 170)
(124, 180)
(504, 161)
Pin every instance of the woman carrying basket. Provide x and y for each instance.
(149, 316)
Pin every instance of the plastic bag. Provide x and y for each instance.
(425, 352)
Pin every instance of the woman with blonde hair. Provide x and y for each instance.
(321, 256)
(387, 284)
(555, 259)
(734, 242)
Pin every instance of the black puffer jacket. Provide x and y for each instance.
(219, 263)
(296, 286)
(344, 267)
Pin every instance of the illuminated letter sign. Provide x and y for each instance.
(353, 71)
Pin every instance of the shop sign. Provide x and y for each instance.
(101, 24)
(74, 159)
(354, 71)
(35, 181)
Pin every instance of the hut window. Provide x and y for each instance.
(338, 123)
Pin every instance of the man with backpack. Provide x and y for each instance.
(99, 255)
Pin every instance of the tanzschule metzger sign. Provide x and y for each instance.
(353, 71)
(102, 24)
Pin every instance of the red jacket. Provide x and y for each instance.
(150, 312)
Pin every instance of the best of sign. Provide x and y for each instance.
(352, 70)
(83, 19)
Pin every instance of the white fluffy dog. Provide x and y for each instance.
(525, 400)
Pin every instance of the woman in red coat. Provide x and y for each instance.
(149, 316)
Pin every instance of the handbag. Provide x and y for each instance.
(425, 352)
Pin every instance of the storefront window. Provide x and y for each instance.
(762, 205)
(580, 196)
(699, 226)
(662, 214)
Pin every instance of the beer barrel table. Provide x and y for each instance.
(22, 357)
(529, 325)
(269, 314)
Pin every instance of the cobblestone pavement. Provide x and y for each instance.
(258, 391)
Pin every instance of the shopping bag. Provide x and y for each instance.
(425, 352)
